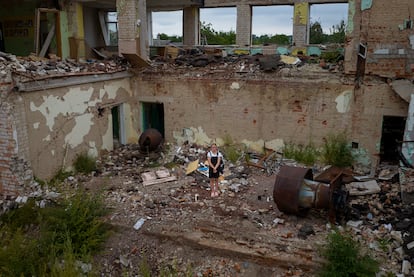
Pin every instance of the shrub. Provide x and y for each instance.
(46, 242)
(337, 151)
(84, 163)
(344, 258)
(79, 218)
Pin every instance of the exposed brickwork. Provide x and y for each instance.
(15, 168)
(244, 27)
(390, 53)
(296, 110)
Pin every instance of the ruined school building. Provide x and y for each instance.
(75, 79)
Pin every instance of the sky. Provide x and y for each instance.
(266, 20)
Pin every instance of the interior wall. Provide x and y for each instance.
(92, 28)
(299, 111)
(64, 122)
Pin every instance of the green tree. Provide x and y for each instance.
(316, 33)
(213, 37)
(170, 38)
(275, 39)
(337, 33)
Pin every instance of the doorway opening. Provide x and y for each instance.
(153, 117)
(118, 128)
(392, 134)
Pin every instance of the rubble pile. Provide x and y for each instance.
(199, 63)
(172, 219)
(35, 68)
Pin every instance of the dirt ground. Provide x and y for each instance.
(186, 232)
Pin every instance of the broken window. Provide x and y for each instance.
(111, 22)
(272, 24)
(109, 27)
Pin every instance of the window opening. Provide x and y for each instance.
(272, 24)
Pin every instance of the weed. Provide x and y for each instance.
(84, 163)
(48, 241)
(144, 268)
(68, 265)
(307, 154)
(332, 56)
(78, 217)
(19, 255)
(344, 258)
(227, 140)
(384, 244)
(231, 153)
(337, 151)
(21, 218)
(59, 177)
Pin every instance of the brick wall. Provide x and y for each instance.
(15, 170)
(389, 52)
(298, 110)
(244, 27)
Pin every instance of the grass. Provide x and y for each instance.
(345, 257)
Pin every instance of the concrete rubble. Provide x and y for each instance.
(30, 68)
(239, 233)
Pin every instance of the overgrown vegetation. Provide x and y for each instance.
(346, 257)
(84, 163)
(307, 154)
(51, 241)
(231, 151)
(337, 151)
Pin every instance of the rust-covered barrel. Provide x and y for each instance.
(288, 183)
(295, 190)
(150, 140)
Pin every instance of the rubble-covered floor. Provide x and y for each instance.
(177, 226)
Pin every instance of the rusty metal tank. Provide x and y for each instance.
(150, 140)
(295, 190)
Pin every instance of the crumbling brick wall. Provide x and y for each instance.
(292, 110)
(15, 169)
(384, 28)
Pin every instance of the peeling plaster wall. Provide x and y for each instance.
(64, 122)
(271, 112)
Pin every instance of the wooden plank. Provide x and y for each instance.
(135, 60)
(159, 181)
(48, 40)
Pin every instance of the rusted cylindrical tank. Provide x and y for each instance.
(150, 140)
(295, 190)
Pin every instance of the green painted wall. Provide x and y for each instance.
(64, 30)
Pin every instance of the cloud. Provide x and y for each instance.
(276, 19)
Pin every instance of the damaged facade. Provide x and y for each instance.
(47, 118)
